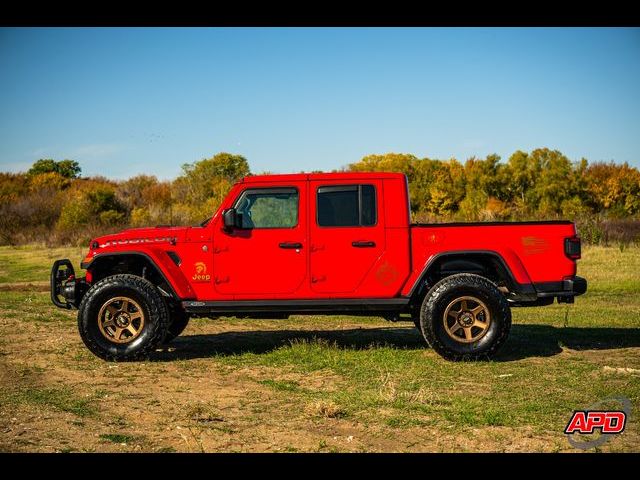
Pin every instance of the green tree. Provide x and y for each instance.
(446, 189)
(485, 184)
(66, 168)
(204, 184)
(555, 182)
(523, 173)
(69, 168)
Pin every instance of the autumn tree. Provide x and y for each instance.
(51, 201)
(204, 184)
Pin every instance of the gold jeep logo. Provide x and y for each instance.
(201, 273)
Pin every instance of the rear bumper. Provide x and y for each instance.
(565, 291)
(66, 289)
(578, 285)
(568, 287)
(540, 294)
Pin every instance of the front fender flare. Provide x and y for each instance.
(180, 288)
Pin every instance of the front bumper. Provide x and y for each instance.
(66, 289)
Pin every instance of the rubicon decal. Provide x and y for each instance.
(133, 241)
(595, 425)
(201, 274)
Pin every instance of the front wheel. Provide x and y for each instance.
(123, 317)
(465, 317)
(179, 321)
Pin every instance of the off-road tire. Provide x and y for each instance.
(156, 317)
(446, 291)
(179, 321)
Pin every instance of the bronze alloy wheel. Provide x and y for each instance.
(466, 319)
(121, 320)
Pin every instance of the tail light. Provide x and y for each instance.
(572, 248)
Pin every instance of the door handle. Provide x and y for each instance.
(364, 244)
(290, 245)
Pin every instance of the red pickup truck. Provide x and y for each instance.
(330, 243)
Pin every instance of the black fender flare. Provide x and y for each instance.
(520, 290)
(99, 259)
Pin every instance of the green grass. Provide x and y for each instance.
(63, 399)
(117, 438)
(376, 374)
(420, 388)
(33, 263)
(540, 390)
(282, 386)
(32, 307)
(609, 270)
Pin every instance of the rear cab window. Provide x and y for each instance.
(346, 206)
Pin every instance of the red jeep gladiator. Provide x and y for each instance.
(329, 243)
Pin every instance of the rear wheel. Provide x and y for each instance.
(465, 317)
(123, 317)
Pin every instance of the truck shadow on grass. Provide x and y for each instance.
(524, 341)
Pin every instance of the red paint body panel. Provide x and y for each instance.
(336, 266)
(249, 264)
(158, 255)
(534, 252)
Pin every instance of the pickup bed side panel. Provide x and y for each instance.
(533, 252)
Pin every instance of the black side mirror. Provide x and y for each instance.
(231, 219)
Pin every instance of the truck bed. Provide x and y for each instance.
(534, 251)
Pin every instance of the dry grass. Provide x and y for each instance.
(317, 383)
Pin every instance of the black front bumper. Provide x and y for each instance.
(66, 289)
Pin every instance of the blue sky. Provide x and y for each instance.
(123, 101)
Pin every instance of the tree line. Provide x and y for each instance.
(52, 202)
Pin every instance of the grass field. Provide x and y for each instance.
(316, 383)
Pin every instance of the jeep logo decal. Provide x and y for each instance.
(201, 274)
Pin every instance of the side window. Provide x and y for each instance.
(268, 208)
(346, 206)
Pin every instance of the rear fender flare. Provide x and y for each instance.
(502, 266)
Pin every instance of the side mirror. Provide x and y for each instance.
(231, 219)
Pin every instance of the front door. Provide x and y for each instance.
(268, 255)
(347, 234)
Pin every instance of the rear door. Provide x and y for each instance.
(268, 255)
(346, 234)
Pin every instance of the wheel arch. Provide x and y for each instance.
(135, 263)
(487, 263)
